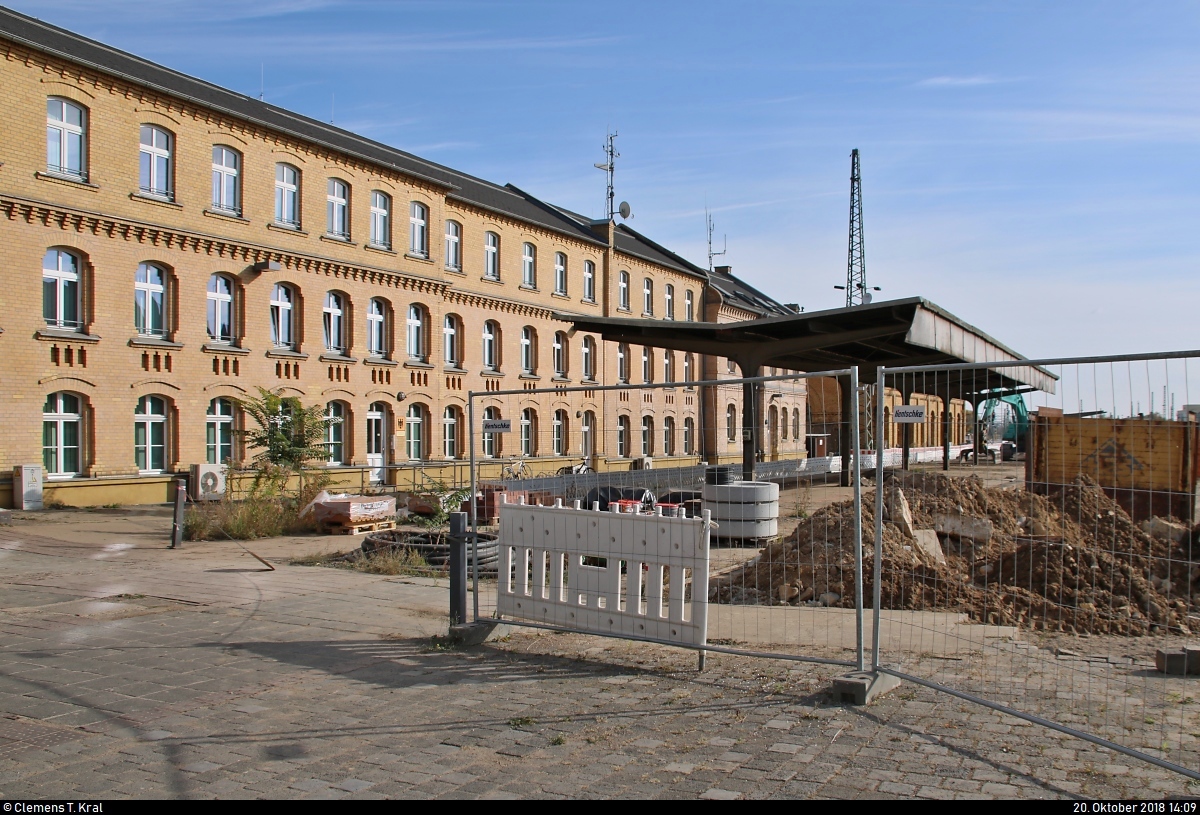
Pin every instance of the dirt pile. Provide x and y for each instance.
(1070, 560)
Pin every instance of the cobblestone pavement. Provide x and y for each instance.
(131, 671)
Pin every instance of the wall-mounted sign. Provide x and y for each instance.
(909, 414)
(497, 425)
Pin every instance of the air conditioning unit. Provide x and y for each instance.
(208, 482)
(643, 463)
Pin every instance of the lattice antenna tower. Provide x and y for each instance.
(610, 164)
(724, 241)
(857, 292)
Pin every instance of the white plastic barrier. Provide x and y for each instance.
(611, 573)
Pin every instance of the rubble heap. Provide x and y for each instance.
(1072, 560)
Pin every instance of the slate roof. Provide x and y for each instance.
(506, 200)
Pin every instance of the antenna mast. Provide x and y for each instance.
(856, 264)
(711, 254)
(611, 154)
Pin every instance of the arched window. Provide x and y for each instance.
(418, 220)
(623, 436)
(528, 432)
(668, 436)
(491, 346)
(528, 350)
(560, 273)
(588, 352)
(491, 256)
(622, 363)
(491, 446)
(796, 425)
(149, 295)
(668, 367)
(150, 434)
(337, 209)
(218, 435)
(454, 246)
(416, 332)
(647, 436)
(647, 296)
(66, 138)
(335, 432)
(560, 354)
(647, 365)
(687, 369)
(529, 265)
(623, 291)
(689, 436)
(450, 333)
(287, 196)
(688, 309)
(450, 417)
(586, 441)
(783, 423)
(226, 189)
(559, 432)
(333, 316)
(381, 219)
(60, 290)
(731, 423)
(669, 301)
(377, 344)
(414, 432)
(282, 333)
(589, 281)
(155, 166)
(62, 431)
(220, 309)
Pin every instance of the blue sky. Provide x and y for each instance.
(1031, 167)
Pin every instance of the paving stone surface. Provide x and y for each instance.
(235, 682)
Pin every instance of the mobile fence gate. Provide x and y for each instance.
(1042, 585)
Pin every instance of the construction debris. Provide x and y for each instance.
(1071, 561)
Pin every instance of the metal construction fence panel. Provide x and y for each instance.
(1047, 567)
(676, 449)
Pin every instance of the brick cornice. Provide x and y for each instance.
(84, 221)
(469, 298)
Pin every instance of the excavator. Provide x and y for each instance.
(1016, 432)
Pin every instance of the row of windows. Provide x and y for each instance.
(66, 154)
(689, 305)
(63, 417)
(780, 430)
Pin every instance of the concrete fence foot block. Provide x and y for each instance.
(862, 687)
(478, 632)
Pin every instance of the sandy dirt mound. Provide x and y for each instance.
(1070, 560)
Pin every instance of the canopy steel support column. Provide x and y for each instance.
(848, 404)
(906, 393)
(749, 427)
(946, 428)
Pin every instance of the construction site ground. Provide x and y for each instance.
(129, 670)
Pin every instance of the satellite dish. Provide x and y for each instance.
(624, 209)
(604, 167)
(867, 298)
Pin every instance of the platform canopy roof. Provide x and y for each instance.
(892, 333)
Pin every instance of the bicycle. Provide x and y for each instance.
(516, 469)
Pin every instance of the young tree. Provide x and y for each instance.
(286, 434)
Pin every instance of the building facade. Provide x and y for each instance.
(194, 245)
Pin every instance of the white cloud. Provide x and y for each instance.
(959, 81)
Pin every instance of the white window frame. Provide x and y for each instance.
(381, 219)
(156, 162)
(589, 281)
(668, 448)
(491, 345)
(287, 196)
(335, 433)
(377, 345)
(454, 245)
(647, 365)
(67, 283)
(415, 335)
(418, 230)
(588, 358)
(528, 350)
(668, 367)
(218, 431)
(669, 302)
(622, 363)
(450, 349)
(586, 441)
(146, 295)
(623, 291)
(529, 265)
(283, 324)
(150, 452)
(528, 428)
(66, 134)
(560, 273)
(220, 312)
(647, 436)
(337, 209)
(730, 423)
(488, 446)
(60, 411)
(622, 436)
(414, 433)
(647, 296)
(687, 369)
(689, 306)
(558, 435)
(450, 432)
(560, 354)
(226, 180)
(491, 256)
(333, 315)
(689, 435)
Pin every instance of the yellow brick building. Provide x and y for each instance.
(194, 244)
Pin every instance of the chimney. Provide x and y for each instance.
(725, 270)
(792, 307)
